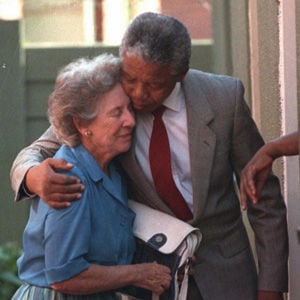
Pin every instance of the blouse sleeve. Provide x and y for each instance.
(67, 235)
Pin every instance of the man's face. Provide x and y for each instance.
(147, 84)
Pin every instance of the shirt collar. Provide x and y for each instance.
(174, 100)
(112, 184)
(90, 164)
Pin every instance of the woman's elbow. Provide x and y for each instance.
(66, 287)
(61, 287)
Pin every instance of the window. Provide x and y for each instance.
(104, 21)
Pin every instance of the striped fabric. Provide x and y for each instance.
(30, 292)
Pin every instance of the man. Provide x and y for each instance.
(211, 136)
(257, 170)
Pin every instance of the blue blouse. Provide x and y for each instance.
(97, 229)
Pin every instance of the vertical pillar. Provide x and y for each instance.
(12, 127)
(115, 20)
(222, 62)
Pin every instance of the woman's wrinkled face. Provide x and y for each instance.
(112, 128)
(147, 84)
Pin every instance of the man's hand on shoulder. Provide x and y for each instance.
(56, 189)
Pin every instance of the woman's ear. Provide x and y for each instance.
(79, 125)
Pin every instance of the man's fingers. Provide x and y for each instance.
(61, 179)
(59, 205)
(58, 163)
(61, 200)
(61, 164)
(63, 197)
(56, 189)
(68, 188)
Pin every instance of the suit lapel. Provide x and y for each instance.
(202, 142)
(136, 174)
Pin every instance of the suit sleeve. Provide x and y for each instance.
(44, 147)
(268, 218)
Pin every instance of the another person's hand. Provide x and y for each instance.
(153, 277)
(267, 295)
(54, 188)
(257, 170)
(253, 177)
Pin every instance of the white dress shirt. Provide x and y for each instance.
(175, 120)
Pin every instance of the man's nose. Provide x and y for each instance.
(139, 91)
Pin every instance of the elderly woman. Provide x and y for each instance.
(84, 251)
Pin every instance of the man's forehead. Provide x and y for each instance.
(137, 68)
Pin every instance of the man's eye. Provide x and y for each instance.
(130, 108)
(156, 86)
(129, 80)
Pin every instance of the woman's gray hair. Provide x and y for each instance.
(77, 89)
(158, 38)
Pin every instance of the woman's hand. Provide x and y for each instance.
(153, 276)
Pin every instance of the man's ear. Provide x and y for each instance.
(180, 77)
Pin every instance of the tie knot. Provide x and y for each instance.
(159, 111)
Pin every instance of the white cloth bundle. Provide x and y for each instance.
(167, 240)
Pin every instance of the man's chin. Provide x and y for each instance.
(143, 109)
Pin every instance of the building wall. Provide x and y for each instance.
(73, 21)
(53, 22)
(259, 41)
(195, 14)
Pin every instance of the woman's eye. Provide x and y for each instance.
(116, 112)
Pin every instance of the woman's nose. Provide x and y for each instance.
(129, 119)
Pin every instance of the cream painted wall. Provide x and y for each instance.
(58, 22)
(288, 91)
(72, 21)
(272, 26)
(257, 41)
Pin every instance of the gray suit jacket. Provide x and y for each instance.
(222, 138)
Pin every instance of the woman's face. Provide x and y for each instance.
(111, 130)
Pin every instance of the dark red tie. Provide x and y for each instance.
(160, 164)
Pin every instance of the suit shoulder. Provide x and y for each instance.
(212, 84)
(212, 78)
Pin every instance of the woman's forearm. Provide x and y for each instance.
(97, 279)
(100, 278)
